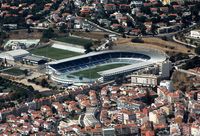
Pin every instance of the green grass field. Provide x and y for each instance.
(54, 53)
(14, 72)
(92, 73)
(73, 40)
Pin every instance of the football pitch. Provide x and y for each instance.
(54, 53)
(92, 73)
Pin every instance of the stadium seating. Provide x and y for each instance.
(109, 57)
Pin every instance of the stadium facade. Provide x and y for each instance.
(136, 60)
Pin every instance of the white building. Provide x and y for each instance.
(180, 1)
(108, 131)
(167, 84)
(165, 2)
(89, 118)
(195, 33)
(104, 1)
(157, 116)
(175, 130)
(145, 80)
(14, 55)
(195, 130)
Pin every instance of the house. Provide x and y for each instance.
(108, 131)
(123, 20)
(78, 23)
(115, 26)
(195, 129)
(174, 96)
(195, 34)
(194, 107)
(165, 2)
(136, 3)
(104, 22)
(164, 9)
(154, 10)
(186, 129)
(10, 26)
(85, 10)
(167, 84)
(157, 116)
(104, 1)
(124, 103)
(126, 116)
(135, 31)
(110, 7)
(116, 15)
(119, 1)
(175, 130)
(124, 7)
(161, 129)
(122, 129)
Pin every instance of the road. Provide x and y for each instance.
(186, 44)
(159, 35)
(188, 72)
(101, 28)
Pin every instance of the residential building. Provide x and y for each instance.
(195, 33)
(145, 80)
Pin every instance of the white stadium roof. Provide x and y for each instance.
(11, 55)
(153, 54)
(155, 57)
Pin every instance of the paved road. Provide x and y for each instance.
(188, 72)
(159, 35)
(186, 44)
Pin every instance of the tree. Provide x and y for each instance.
(197, 50)
(106, 36)
(143, 28)
(137, 40)
(141, 19)
(48, 33)
(44, 83)
(154, 28)
(146, 10)
(121, 29)
(29, 29)
(6, 63)
(26, 72)
(148, 97)
(87, 47)
(30, 88)
(2, 36)
(62, 28)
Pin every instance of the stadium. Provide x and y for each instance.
(132, 60)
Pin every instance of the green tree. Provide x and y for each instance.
(48, 33)
(87, 47)
(121, 29)
(197, 50)
(143, 28)
(44, 83)
(154, 29)
(2, 36)
(26, 72)
(62, 28)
